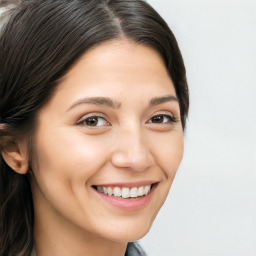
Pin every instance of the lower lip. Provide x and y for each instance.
(132, 204)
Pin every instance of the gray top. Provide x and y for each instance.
(133, 249)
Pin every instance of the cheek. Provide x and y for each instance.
(65, 164)
(169, 152)
(70, 154)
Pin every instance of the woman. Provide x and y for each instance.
(93, 107)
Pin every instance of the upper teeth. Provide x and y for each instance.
(125, 192)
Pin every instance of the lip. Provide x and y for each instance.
(132, 204)
(127, 185)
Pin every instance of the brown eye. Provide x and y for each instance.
(92, 121)
(161, 119)
(95, 121)
(157, 119)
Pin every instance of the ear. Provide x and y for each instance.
(15, 155)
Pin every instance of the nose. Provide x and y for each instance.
(131, 150)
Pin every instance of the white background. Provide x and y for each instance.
(211, 208)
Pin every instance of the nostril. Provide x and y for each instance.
(131, 151)
(132, 161)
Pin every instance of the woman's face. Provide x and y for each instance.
(113, 126)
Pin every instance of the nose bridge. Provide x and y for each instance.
(131, 149)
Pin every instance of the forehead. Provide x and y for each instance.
(118, 55)
(117, 69)
(118, 59)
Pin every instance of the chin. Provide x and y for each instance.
(129, 236)
(128, 232)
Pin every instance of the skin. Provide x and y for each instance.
(127, 145)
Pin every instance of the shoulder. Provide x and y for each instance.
(134, 249)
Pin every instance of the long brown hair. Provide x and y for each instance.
(39, 42)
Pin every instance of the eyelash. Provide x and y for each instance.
(83, 122)
(161, 117)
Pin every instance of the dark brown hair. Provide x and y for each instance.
(39, 42)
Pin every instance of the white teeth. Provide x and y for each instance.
(141, 191)
(147, 189)
(117, 191)
(125, 192)
(105, 190)
(110, 191)
(134, 192)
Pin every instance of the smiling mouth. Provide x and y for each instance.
(125, 192)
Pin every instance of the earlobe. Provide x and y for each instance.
(15, 156)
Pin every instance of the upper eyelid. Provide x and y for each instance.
(166, 114)
(93, 114)
(174, 119)
(163, 112)
(83, 124)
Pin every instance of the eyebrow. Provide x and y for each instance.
(101, 101)
(105, 101)
(161, 100)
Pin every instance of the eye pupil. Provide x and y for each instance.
(92, 121)
(158, 119)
